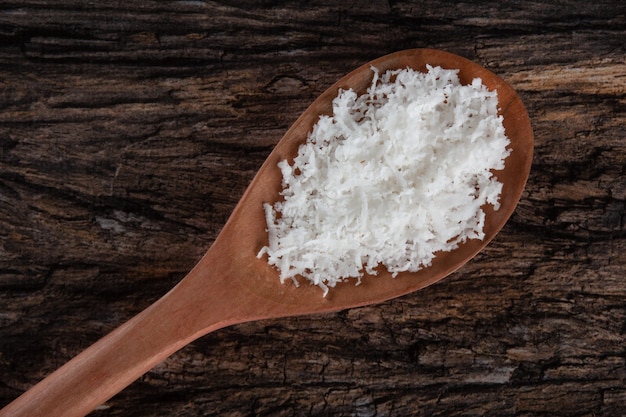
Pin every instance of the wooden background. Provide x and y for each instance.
(129, 130)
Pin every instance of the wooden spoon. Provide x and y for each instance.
(231, 285)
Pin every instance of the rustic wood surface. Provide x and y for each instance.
(129, 130)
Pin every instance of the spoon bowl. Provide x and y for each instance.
(231, 285)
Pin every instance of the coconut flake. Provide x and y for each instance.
(394, 176)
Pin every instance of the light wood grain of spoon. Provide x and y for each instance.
(231, 285)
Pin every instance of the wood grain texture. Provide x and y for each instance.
(129, 130)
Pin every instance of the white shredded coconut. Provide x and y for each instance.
(392, 177)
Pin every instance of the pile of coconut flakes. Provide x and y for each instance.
(391, 178)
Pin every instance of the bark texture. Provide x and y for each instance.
(129, 130)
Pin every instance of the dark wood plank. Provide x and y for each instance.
(129, 130)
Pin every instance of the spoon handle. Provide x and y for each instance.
(116, 360)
